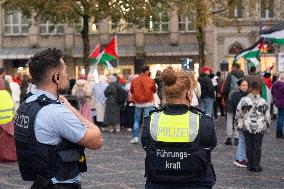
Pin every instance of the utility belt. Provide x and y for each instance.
(44, 183)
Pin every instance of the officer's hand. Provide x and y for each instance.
(65, 102)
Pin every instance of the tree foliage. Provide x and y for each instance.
(64, 11)
(136, 12)
(72, 11)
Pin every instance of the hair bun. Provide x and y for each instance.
(169, 77)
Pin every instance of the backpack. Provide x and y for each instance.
(121, 95)
(233, 86)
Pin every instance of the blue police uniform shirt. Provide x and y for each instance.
(54, 122)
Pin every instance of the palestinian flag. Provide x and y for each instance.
(275, 34)
(252, 54)
(93, 56)
(109, 56)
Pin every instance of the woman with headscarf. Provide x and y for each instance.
(178, 139)
(7, 144)
(98, 93)
(112, 111)
(195, 90)
(82, 91)
(92, 82)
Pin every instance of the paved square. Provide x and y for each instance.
(120, 165)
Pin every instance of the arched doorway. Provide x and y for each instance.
(233, 50)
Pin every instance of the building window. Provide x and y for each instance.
(185, 24)
(267, 8)
(49, 28)
(235, 49)
(121, 26)
(161, 24)
(16, 24)
(235, 9)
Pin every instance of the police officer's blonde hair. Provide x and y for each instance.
(175, 84)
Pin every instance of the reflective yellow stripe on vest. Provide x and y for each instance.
(174, 128)
(6, 107)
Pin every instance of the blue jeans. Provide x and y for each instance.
(138, 117)
(241, 150)
(206, 104)
(280, 121)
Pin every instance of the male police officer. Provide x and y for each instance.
(49, 133)
(178, 140)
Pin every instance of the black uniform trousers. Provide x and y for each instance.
(253, 149)
(169, 186)
(57, 186)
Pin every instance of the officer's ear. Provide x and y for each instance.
(55, 78)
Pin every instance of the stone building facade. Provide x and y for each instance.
(164, 43)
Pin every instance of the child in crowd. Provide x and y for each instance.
(241, 159)
(254, 117)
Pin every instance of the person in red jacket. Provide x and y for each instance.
(142, 89)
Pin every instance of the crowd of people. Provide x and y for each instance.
(247, 102)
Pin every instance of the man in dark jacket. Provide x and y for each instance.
(207, 90)
(229, 86)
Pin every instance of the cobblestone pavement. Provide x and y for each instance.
(120, 165)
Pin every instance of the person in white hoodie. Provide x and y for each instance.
(16, 91)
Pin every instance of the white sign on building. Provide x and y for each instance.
(280, 62)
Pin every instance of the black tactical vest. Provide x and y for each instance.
(178, 162)
(36, 159)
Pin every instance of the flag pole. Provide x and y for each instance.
(116, 47)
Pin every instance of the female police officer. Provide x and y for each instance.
(178, 140)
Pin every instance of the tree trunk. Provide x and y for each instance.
(86, 43)
(201, 45)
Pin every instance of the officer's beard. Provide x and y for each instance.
(57, 91)
(62, 91)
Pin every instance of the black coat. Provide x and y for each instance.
(112, 111)
(207, 89)
(236, 98)
(227, 87)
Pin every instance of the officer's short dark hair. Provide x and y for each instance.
(44, 62)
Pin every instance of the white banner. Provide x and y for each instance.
(280, 62)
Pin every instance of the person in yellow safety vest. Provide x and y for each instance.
(178, 139)
(7, 144)
(6, 105)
